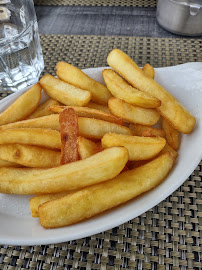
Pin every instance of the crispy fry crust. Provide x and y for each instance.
(32, 136)
(170, 107)
(90, 113)
(43, 109)
(139, 148)
(133, 114)
(171, 134)
(23, 106)
(138, 130)
(69, 131)
(121, 89)
(93, 200)
(97, 168)
(65, 93)
(73, 75)
(149, 70)
(30, 156)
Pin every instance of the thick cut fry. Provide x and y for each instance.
(95, 129)
(4, 163)
(87, 148)
(88, 127)
(43, 109)
(139, 148)
(30, 156)
(47, 122)
(168, 148)
(37, 200)
(90, 113)
(65, 93)
(97, 168)
(33, 136)
(170, 108)
(99, 107)
(172, 135)
(119, 88)
(93, 200)
(149, 70)
(73, 75)
(133, 114)
(22, 106)
(138, 130)
(69, 131)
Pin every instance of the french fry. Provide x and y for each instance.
(149, 70)
(43, 109)
(23, 106)
(47, 122)
(133, 114)
(65, 93)
(5, 163)
(95, 129)
(88, 127)
(172, 135)
(170, 108)
(139, 148)
(87, 148)
(32, 136)
(37, 200)
(119, 88)
(73, 75)
(30, 156)
(97, 168)
(90, 113)
(168, 148)
(138, 130)
(98, 198)
(69, 131)
(99, 107)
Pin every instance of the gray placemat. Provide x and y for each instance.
(168, 236)
(123, 3)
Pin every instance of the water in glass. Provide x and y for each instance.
(21, 60)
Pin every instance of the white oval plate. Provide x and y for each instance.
(17, 227)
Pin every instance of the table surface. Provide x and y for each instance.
(96, 20)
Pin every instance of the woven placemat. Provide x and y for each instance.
(167, 236)
(122, 3)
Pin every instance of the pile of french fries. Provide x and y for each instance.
(90, 147)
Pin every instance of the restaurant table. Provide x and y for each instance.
(168, 236)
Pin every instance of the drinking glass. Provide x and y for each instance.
(21, 59)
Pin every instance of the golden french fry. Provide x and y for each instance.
(88, 127)
(90, 113)
(30, 156)
(22, 106)
(149, 70)
(133, 114)
(170, 108)
(99, 107)
(43, 109)
(37, 200)
(119, 88)
(168, 148)
(47, 122)
(138, 130)
(65, 93)
(139, 148)
(97, 168)
(172, 135)
(69, 131)
(33, 136)
(95, 129)
(96, 199)
(5, 163)
(87, 148)
(73, 75)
